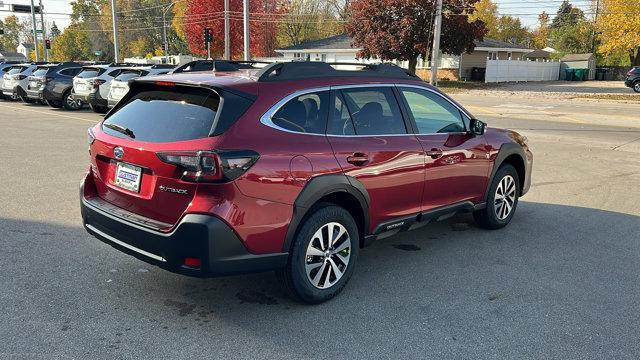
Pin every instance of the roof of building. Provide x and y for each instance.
(493, 43)
(538, 54)
(577, 57)
(342, 41)
(11, 54)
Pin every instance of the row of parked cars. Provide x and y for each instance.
(73, 85)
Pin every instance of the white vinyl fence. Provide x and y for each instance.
(519, 70)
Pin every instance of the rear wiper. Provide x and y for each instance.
(121, 129)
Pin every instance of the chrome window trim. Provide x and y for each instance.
(266, 118)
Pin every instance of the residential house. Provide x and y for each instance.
(339, 49)
(25, 49)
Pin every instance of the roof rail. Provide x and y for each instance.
(162, 66)
(317, 69)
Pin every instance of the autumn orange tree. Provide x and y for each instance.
(619, 29)
(203, 14)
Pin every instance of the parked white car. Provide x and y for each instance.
(15, 81)
(91, 86)
(120, 85)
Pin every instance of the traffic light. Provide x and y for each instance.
(47, 44)
(208, 36)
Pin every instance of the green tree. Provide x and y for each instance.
(14, 29)
(570, 30)
(54, 31)
(567, 15)
(72, 44)
(503, 28)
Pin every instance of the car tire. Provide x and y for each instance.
(54, 104)
(636, 86)
(69, 103)
(502, 200)
(320, 265)
(99, 109)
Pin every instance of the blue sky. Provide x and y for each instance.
(526, 10)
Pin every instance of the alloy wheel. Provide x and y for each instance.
(73, 104)
(505, 197)
(327, 255)
(636, 87)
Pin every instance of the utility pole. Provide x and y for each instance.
(45, 53)
(227, 40)
(593, 31)
(164, 32)
(435, 54)
(35, 32)
(247, 55)
(115, 30)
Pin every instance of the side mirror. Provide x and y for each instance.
(477, 127)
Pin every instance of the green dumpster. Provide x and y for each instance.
(581, 74)
(568, 74)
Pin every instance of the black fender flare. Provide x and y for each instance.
(319, 187)
(505, 151)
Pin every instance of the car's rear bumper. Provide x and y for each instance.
(196, 235)
(92, 98)
(10, 91)
(35, 94)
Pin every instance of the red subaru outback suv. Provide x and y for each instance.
(293, 168)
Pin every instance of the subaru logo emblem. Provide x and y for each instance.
(118, 152)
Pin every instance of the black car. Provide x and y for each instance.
(215, 65)
(56, 85)
(633, 79)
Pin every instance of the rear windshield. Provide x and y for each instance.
(41, 71)
(184, 113)
(16, 70)
(125, 76)
(90, 72)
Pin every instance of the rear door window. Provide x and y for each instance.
(159, 115)
(374, 111)
(70, 71)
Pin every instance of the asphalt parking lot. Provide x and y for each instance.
(561, 281)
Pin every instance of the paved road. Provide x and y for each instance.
(562, 281)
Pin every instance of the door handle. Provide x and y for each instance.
(358, 159)
(434, 153)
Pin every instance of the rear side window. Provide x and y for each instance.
(158, 115)
(373, 111)
(306, 113)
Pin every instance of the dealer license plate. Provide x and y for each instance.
(128, 177)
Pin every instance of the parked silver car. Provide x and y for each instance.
(120, 85)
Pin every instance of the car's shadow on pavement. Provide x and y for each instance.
(559, 280)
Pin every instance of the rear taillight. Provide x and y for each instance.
(48, 79)
(97, 82)
(20, 77)
(210, 166)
